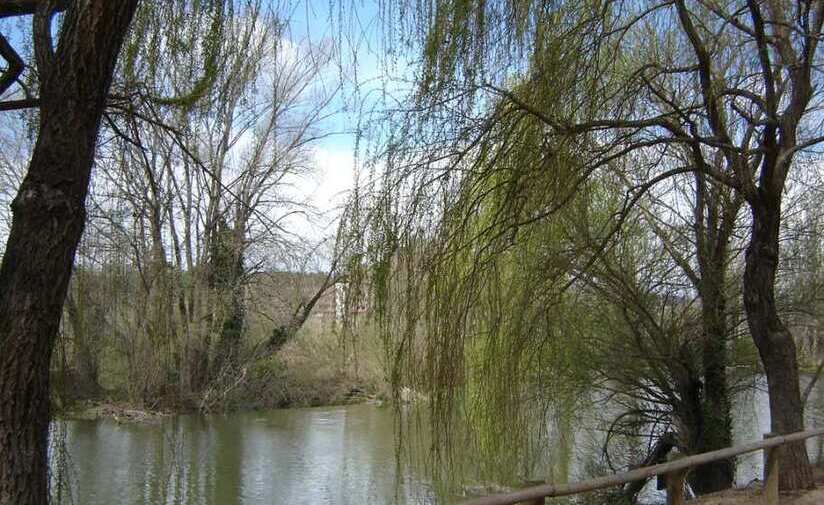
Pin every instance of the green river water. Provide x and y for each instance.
(335, 455)
(330, 455)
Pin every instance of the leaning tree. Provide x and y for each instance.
(74, 74)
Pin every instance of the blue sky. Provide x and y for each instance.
(354, 27)
(364, 75)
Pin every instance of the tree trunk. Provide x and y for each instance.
(226, 279)
(48, 219)
(716, 431)
(657, 455)
(715, 214)
(773, 340)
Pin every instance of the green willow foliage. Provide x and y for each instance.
(467, 272)
(473, 42)
(494, 202)
(469, 278)
(184, 45)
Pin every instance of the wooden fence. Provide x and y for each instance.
(673, 471)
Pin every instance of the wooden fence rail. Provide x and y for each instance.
(674, 471)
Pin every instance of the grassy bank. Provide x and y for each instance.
(318, 367)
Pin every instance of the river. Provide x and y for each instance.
(330, 455)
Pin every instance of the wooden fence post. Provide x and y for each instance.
(675, 482)
(772, 455)
(536, 501)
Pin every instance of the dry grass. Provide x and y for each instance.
(318, 367)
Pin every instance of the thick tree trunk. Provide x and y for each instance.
(657, 455)
(773, 340)
(715, 214)
(234, 310)
(226, 280)
(231, 334)
(716, 430)
(48, 218)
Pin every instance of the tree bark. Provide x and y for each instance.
(715, 215)
(229, 244)
(48, 219)
(716, 430)
(773, 340)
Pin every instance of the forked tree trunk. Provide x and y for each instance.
(774, 341)
(48, 218)
(715, 215)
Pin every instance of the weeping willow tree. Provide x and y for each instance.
(604, 83)
(510, 318)
(470, 282)
(468, 277)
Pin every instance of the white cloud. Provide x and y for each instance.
(333, 180)
(325, 190)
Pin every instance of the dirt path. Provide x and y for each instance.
(752, 495)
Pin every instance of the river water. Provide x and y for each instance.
(332, 455)
(335, 455)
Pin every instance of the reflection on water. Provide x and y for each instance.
(340, 455)
(335, 455)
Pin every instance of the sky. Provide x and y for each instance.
(352, 26)
(364, 75)
(354, 32)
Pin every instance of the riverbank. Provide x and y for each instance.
(130, 413)
(125, 412)
(313, 370)
(121, 413)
